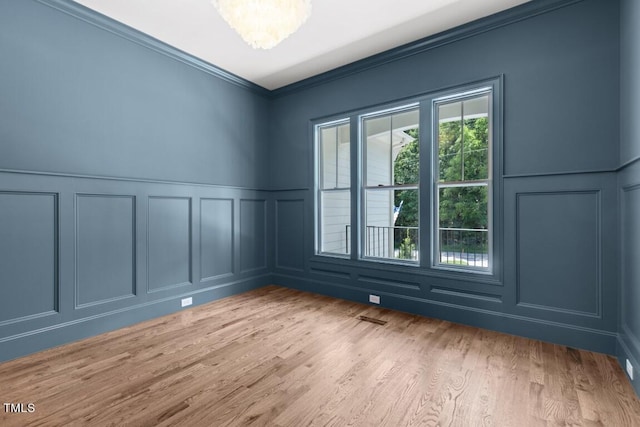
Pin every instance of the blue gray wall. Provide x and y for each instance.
(128, 179)
(557, 275)
(629, 186)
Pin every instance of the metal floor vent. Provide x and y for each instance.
(372, 320)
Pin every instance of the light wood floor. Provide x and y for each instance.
(280, 357)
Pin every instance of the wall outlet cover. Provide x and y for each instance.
(630, 369)
(375, 299)
(187, 301)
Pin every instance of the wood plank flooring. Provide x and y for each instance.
(280, 357)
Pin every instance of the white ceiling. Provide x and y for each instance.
(337, 33)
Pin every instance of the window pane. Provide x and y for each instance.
(463, 236)
(328, 160)
(335, 155)
(476, 138)
(335, 221)
(344, 156)
(378, 151)
(463, 140)
(392, 149)
(450, 142)
(391, 224)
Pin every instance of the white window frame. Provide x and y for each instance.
(428, 235)
(363, 188)
(319, 190)
(436, 185)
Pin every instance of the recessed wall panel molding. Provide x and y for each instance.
(559, 256)
(401, 285)
(105, 248)
(253, 235)
(169, 243)
(630, 267)
(290, 234)
(28, 255)
(216, 238)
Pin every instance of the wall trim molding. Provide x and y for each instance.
(479, 26)
(633, 341)
(265, 223)
(628, 163)
(76, 255)
(58, 334)
(560, 333)
(201, 238)
(559, 173)
(597, 192)
(328, 262)
(119, 29)
(190, 281)
(623, 352)
(474, 28)
(277, 230)
(483, 296)
(128, 179)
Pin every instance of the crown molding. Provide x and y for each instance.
(479, 26)
(482, 25)
(99, 20)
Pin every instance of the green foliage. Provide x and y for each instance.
(406, 170)
(463, 156)
(466, 161)
(407, 247)
(463, 207)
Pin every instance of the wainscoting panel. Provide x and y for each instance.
(290, 233)
(169, 248)
(558, 251)
(253, 235)
(29, 255)
(628, 348)
(81, 255)
(216, 238)
(105, 248)
(630, 244)
(561, 249)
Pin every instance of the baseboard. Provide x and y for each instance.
(33, 341)
(624, 352)
(557, 333)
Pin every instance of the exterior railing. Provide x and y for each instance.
(464, 246)
(392, 242)
(457, 246)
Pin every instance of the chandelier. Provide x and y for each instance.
(264, 23)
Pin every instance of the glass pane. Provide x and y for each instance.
(463, 140)
(450, 142)
(476, 138)
(335, 221)
(378, 151)
(328, 158)
(463, 235)
(344, 156)
(335, 155)
(392, 149)
(391, 224)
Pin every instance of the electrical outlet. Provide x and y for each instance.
(630, 369)
(187, 301)
(375, 299)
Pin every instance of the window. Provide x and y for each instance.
(334, 187)
(423, 200)
(391, 178)
(462, 178)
